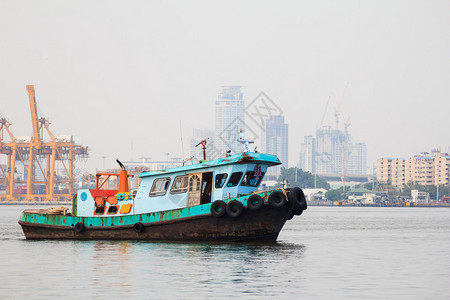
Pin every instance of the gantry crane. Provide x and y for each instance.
(31, 151)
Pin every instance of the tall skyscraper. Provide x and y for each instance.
(277, 141)
(229, 120)
(357, 163)
(307, 154)
(326, 153)
(330, 151)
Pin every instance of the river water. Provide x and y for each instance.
(327, 253)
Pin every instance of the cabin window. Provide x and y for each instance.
(180, 185)
(194, 183)
(99, 210)
(160, 187)
(112, 210)
(251, 180)
(220, 180)
(126, 208)
(234, 179)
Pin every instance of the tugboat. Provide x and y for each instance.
(217, 200)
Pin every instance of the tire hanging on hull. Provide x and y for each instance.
(218, 208)
(234, 208)
(277, 199)
(138, 227)
(255, 202)
(297, 200)
(79, 227)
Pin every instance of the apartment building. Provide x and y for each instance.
(425, 169)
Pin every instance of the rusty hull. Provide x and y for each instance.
(262, 225)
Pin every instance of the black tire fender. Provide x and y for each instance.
(79, 227)
(297, 199)
(277, 199)
(298, 212)
(218, 208)
(255, 202)
(291, 215)
(234, 208)
(138, 227)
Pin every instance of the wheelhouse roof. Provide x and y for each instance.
(241, 158)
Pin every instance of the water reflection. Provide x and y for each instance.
(131, 267)
(110, 266)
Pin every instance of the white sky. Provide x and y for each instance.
(115, 72)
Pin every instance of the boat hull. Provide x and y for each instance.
(261, 225)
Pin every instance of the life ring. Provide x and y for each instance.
(277, 199)
(255, 202)
(234, 208)
(297, 199)
(79, 227)
(138, 227)
(218, 208)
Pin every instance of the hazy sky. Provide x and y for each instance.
(115, 72)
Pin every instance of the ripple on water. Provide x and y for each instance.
(326, 253)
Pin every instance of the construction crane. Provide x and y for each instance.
(337, 113)
(31, 151)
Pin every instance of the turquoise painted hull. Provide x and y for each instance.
(186, 224)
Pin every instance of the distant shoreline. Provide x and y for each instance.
(343, 204)
(310, 203)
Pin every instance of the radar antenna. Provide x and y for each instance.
(246, 143)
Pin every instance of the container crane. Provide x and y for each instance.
(30, 151)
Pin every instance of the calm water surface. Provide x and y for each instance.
(327, 253)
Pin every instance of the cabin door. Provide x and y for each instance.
(207, 179)
(194, 189)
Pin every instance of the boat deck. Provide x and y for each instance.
(58, 211)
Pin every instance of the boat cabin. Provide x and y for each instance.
(180, 187)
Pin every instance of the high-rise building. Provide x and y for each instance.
(357, 159)
(332, 152)
(277, 141)
(330, 146)
(307, 156)
(229, 120)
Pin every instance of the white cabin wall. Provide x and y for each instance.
(85, 208)
(143, 203)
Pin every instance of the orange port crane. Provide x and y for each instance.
(39, 158)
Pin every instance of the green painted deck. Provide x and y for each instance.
(111, 221)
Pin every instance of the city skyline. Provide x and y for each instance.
(160, 65)
(332, 151)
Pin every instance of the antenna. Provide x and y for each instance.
(246, 143)
(182, 145)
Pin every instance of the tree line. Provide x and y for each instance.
(302, 179)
